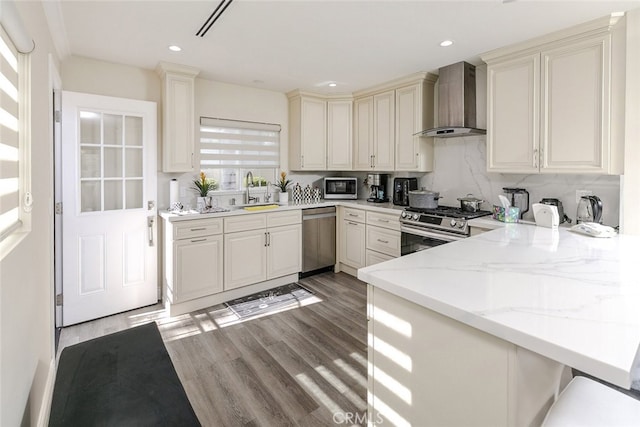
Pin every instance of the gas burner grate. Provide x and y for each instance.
(449, 211)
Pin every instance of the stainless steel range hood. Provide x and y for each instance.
(456, 102)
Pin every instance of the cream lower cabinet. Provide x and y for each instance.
(272, 249)
(383, 237)
(426, 369)
(557, 107)
(193, 259)
(352, 237)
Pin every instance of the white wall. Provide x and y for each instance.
(26, 284)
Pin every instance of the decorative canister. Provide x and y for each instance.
(296, 194)
(317, 195)
(306, 196)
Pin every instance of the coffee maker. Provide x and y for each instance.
(401, 188)
(378, 186)
(518, 197)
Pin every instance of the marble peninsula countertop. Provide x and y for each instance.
(572, 298)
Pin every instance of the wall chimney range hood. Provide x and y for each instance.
(456, 102)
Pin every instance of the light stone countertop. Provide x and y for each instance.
(572, 298)
(357, 204)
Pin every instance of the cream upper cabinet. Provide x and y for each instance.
(374, 144)
(363, 133)
(413, 115)
(384, 130)
(319, 132)
(514, 120)
(557, 106)
(339, 134)
(178, 117)
(307, 133)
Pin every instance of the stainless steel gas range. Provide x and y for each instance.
(426, 228)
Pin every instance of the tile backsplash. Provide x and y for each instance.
(459, 169)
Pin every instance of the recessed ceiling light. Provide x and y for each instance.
(333, 84)
(175, 48)
(446, 43)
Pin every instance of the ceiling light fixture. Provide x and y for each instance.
(175, 48)
(446, 43)
(224, 4)
(333, 84)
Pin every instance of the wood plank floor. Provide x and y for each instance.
(302, 367)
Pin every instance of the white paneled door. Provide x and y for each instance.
(109, 252)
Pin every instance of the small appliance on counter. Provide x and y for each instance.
(558, 204)
(589, 209)
(546, 215)
(378, 186)
(401, 188)
(340, 187)
(519, 198)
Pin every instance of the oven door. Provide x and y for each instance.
(416, 239)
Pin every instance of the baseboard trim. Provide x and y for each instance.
(47, 396)
(176, 309)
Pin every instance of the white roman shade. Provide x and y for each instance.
(9, 137)
(238, 144)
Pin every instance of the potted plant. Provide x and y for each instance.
(282, 183)
(203, 186)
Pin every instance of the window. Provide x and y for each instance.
(231, 148)
(15, 199)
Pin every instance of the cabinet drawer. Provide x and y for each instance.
(276, 219)
(374, 257)
(197, 228)
(355, 215)
(245, 222)
(383, 240)
(390, 221)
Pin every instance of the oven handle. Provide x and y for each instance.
(424, 233)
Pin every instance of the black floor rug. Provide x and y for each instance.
(273, 300)
(121, 379)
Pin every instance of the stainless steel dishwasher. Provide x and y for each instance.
(318, 238)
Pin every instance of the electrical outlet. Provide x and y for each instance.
(580, 193)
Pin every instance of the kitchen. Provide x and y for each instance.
(229, 100)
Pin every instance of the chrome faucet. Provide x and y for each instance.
(267, 197)
(248, 198)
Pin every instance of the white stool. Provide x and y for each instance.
(585, 402)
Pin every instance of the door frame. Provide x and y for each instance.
(55, 111)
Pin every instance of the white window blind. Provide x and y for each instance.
(9, 137)
(238, 144)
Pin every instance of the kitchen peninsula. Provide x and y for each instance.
(478, 332)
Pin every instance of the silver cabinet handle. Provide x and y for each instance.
(351, 223)
(383, 220)
(268, 239)
(265, 240)
(199, 240)
(353, 215)
(535, 158)
(150, 221)
(198, 229)
(383, 241)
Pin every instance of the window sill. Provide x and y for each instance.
(8, 244)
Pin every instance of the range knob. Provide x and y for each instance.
(415, 216)
(452, 223)
(403, 214)
(461, 224)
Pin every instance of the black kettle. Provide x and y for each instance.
(589, 209)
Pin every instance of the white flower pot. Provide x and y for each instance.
(283, 197)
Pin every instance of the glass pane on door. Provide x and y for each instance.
(105, 162)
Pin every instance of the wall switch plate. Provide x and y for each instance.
(580, 193)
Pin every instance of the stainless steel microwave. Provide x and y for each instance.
(340, 188)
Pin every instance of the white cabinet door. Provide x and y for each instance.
(314, 134)
(384, 240)
(178, 118)
(339, 140)
(363, 134)
(513, 115)
(384, 131)
(245, 258)
(374, 257)
(575, 106)
(413, 153)
(198, 267)
(353, 244)
(284, 254)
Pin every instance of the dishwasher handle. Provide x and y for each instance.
(318, 216)
(317, 213)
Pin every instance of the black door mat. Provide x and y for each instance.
(121, 379)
